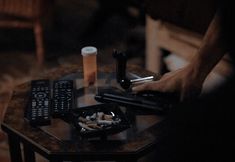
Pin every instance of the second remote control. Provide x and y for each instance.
(63, 97)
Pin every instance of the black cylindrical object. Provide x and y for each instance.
(121, 61)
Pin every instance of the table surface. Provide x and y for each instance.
(60, 138)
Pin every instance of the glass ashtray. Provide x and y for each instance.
(99, 120)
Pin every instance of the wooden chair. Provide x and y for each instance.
(180, 41)
(178, 27)
(26, 14)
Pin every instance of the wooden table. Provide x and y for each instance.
(61, 142)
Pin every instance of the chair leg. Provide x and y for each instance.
(38, 33)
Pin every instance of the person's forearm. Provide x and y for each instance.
(211, 51)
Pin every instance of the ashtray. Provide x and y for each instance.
(99, 120)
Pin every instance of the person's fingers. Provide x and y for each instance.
(147, 86)
(138, 88)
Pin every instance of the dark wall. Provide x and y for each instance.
(191, 14)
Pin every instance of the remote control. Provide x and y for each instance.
(38, 109)
(63, 97)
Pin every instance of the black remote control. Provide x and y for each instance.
(38, 109)
(63, 97)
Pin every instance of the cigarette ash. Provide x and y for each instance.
(98, 121)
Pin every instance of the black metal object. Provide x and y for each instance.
(121, 72)
(121, 61)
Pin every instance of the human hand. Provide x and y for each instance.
(182, 83)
